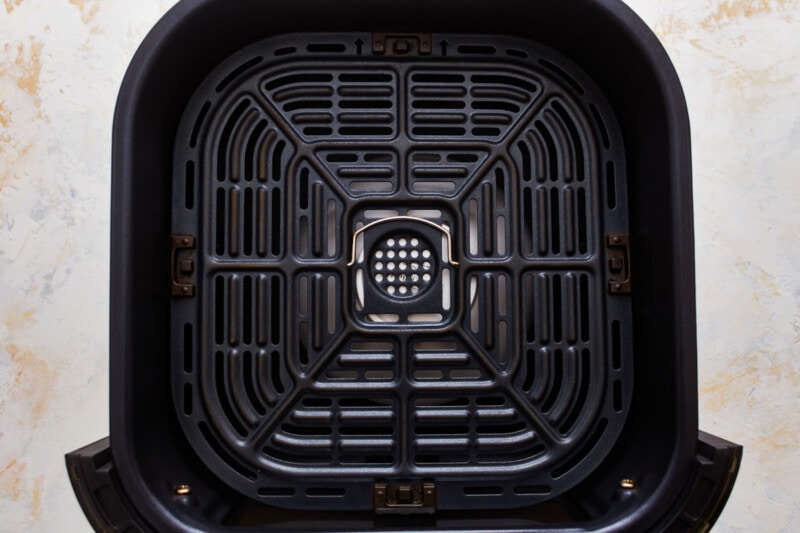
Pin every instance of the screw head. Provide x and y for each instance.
(183, 490)
(627, 484)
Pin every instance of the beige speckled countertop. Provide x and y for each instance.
(61, 64)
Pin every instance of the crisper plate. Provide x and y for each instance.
(407, 267)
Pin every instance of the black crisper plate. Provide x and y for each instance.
(401, 271)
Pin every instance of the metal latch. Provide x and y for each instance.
(404, 498)
(401, 44)
(183, 266)
(619, 264)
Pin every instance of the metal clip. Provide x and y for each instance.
(400, 44)
(182, 260)
(619, 264)
(443, 229)
(404, 498)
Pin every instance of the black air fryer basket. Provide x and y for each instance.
(402, 266)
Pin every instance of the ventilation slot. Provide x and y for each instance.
(583, 235)
(517, 53)
(247, 227)
(489, 237)
(326, 48)
(551, 150)
(318, 318)
(298, 79)
(230, 137)
(222, 384)
(486, 319)
(189, 185)
(201, 116)
(250, 161)
(285, 51)
(611, 185)
(362, 173)
(298, 459)
(583, 380)
(495, 105)
(585, 309)
(276, 491)
(220, 225)
(556, 380)
(487, 217)
(616, 347)
(187, 399)
(249, 376)
(318, 221)
(525, 156)
(219, 310)
(447, 172)
(188, 348)
(483, 491)
(238, 72)
(476, 49)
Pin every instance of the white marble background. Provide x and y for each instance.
(61, 64)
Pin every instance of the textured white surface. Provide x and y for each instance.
(61, 64)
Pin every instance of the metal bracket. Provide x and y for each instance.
(401, 44)
(425, 221)
(182, 261)
(619, 264)
(404, 498)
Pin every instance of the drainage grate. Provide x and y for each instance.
(401, 272)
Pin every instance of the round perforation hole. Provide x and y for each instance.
(403, 266)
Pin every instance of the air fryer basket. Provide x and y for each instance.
(426, 266)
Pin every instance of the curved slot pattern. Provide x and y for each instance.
(336, 103)
(251, 160)
(247, 370)
(553, 157)
(337, 431)
(445, 428)
(468, 103)
(558, 368)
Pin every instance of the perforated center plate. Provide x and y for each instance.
(403, 265)
(333, 342)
